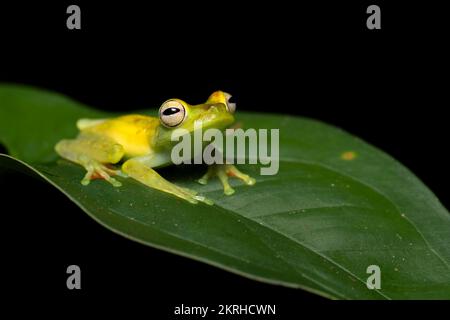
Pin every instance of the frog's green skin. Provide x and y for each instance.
(142, 143)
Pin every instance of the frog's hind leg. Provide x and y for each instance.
(138, 169)
(94, 153)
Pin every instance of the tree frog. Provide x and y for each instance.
(141, 143)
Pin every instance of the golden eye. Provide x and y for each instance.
(231, 106)
(172, 113)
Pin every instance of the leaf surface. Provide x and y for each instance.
(337, 205)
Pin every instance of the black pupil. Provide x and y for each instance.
(170, 111)
(231, 100)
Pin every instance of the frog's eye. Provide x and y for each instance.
(231, 105)
(172, 113)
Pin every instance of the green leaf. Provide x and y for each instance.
(337, 206)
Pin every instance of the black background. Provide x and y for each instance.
(314, 59)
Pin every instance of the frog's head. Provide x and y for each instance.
(217, 112)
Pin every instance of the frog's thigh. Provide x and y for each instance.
(92, 152)
(89, 146)
(137, 169)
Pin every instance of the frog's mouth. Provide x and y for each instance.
(216, 117)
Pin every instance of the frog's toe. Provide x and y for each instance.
(99, 171)
(204, 200)
(205, 178)
(232, 171)
(85, 181)
(228, 190)
(191, 200)
(203, 181)
(114, 182)
(223, 172)
(249, 181)
(193, 196)
(194, 199)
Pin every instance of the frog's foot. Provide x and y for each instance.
(223, 171)
(96, 170)
(190, 195)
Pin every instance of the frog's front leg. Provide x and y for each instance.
(94, 153)
(223, 171)
(139, 168)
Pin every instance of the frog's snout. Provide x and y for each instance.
(217, 108)
(213, 109)
(216, 115)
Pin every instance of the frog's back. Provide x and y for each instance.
(134, 132)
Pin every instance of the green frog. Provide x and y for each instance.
(142, 143)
